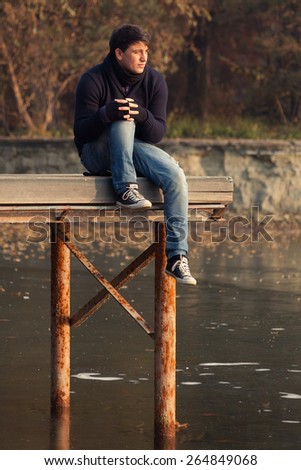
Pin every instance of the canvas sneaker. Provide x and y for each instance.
(132, 199)
(178, 268)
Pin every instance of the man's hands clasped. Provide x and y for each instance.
(125, 109)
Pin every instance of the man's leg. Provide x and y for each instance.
(164, 171)
(96, 157)
(114, 151)
(121, 136)
(121, 144)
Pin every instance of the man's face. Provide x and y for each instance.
(134, 58)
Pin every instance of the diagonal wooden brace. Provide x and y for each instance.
(120, 280)
(106, 284)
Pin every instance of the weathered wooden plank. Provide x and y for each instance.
(37, 216)
(204, 182)
(210, 197)
(79, 189)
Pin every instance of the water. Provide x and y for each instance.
(238, 350)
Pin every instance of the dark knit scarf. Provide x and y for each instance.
(120, 75)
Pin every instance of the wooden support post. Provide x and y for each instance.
(165, 349)
(60, 325)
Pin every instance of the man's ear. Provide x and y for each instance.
(118, 54)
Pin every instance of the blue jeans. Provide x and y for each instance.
(119, 151)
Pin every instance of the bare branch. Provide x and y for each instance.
(15, 85)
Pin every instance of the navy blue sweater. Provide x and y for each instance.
(97, 88)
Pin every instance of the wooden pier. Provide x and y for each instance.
(62, 200)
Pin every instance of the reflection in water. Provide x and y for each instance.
(60, 431)
(229, 364)
(94, 376)
(292, 396)
(238, 352)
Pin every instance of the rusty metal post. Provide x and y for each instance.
(165, 349)
(60, 325)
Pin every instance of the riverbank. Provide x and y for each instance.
(266, 173)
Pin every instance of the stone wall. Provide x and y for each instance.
(265, 173)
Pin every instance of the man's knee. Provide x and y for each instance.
(176, 179)
(121, 133)
(122, 127)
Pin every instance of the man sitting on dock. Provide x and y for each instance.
(120, 114)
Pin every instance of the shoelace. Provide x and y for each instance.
(182, 264)
(132, 195)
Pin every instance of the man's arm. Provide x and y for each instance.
(90, 119)
(90, 116)
(153, 128)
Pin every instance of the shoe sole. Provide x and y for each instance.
(134, 206)
(182, 281)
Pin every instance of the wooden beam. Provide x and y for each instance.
(19, 189)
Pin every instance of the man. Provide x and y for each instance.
(120, 114)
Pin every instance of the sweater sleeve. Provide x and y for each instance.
(154, 128)
(89, 119)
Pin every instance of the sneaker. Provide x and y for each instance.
(178, 268)
(132, 199)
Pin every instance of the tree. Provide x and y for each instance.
(193, 22)
(43, 49)
(264, 54)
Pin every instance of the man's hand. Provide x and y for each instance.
(115, 112)
(125, 109)
(137, 112)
